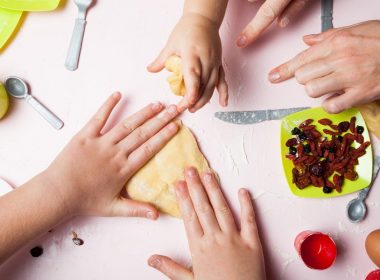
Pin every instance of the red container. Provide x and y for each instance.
(316, 249)
(374, 275)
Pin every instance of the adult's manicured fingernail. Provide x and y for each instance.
(241, 41)
(274, 76)
(154, 262)
(284, 22)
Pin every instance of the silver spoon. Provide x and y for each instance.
(19, 89)
(356, 208)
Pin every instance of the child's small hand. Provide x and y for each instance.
(91, 172)
(196, 40)
(219, 249)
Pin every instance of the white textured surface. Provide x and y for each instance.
(122, 37)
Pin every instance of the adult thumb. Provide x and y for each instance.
(170, 268)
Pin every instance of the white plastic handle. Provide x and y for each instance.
(72, 58)
(45, 112)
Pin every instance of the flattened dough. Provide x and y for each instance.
(176, 82)
(154, 183)
(371, 115)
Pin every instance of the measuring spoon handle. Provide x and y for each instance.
(45, 112)
(73, 53)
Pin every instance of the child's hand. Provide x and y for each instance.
(196, 40)
(219, 249)
(91, 172)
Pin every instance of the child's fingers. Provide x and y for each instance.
(127, 126)
(207, 92)
(145, 152)
(248, 220)
(190, 219)
(201, 202)
(129, 208)
(292, 10)
(222, 87)
(192, 71)
(219, 204)
(97, 122)
(170, 268)
(147, 130)
(159, 63)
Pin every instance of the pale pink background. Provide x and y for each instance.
(122, 37)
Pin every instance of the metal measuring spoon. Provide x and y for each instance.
(19, 89)
(356, 208)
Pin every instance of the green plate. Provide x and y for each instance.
(364, 169)
(8, 24)
(30, 5)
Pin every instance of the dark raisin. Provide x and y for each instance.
(307, 149)
(317, 169)
(36, 251)
(302, 136)
(331, 149)
(340, 138)
(359, 129)
(343, 126)
(77, 241)
(327, 189)
(293, 150)
(296, 131)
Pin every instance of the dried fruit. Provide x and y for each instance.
(77, 241)
(36, 251)
(324, 157)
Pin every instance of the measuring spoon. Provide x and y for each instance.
(19, 89)
(356, 208)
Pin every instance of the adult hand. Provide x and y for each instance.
(91, 172)
(196, 40)
(282, 10)
(219, 249)
(344, 62)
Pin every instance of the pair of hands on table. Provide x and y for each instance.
(88, 178)
(342, 64)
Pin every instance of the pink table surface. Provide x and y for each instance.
(122, 37)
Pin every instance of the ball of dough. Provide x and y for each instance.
(176, 82)
(155, 182)
(371, 115)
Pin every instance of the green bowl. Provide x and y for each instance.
(30, 5)
(364, 168)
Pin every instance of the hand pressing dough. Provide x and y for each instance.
(371, 115)
(176, 82)
(155, 182)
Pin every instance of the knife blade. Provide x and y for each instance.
(251, 117)
(327, 14)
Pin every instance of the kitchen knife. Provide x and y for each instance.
(327, 14)
(251, 117)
